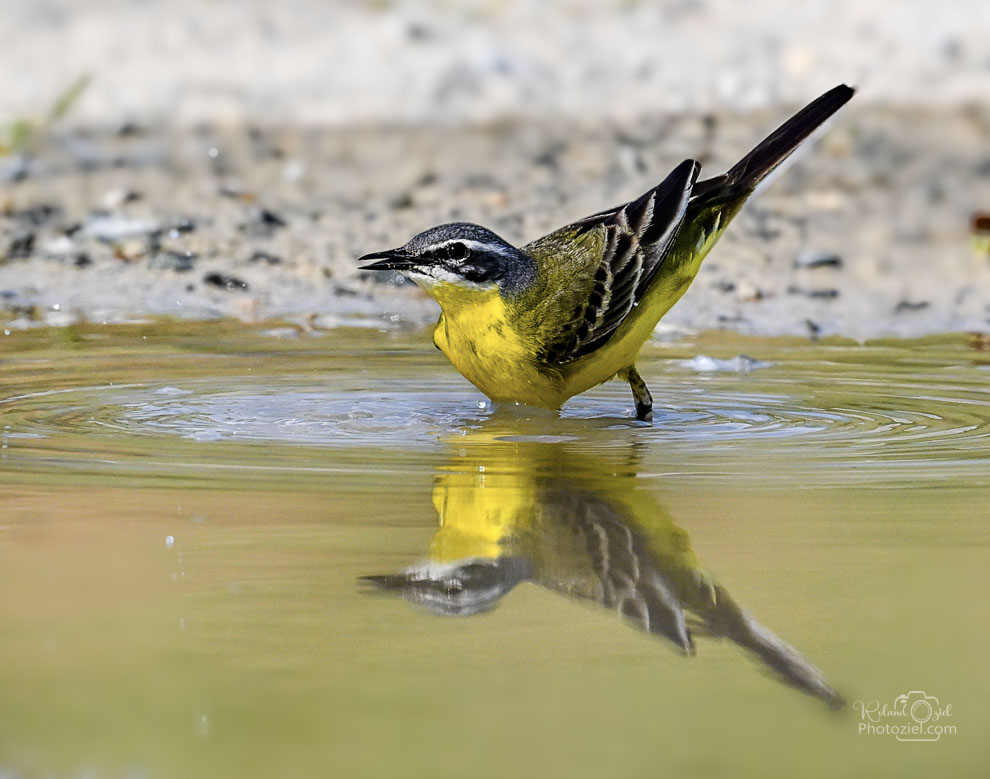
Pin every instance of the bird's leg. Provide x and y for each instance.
(641, 393)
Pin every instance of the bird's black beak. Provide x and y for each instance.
(393, 259)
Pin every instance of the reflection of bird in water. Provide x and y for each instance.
(516, 508)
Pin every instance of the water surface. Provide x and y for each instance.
(226, 553)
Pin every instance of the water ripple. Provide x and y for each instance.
(816, 415)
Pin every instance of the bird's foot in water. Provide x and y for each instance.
(641, 393)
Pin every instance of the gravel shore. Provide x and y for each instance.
(868, 234)
(232, 159)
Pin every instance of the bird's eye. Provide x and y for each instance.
(457, 251)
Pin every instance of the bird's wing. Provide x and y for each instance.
(585, 546)
(635, 238)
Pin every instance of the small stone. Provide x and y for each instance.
(180, 226)
(748, 292)
(910, 305)
(111, 229)
(270, 218)
(401, 201)
(813, 258)
(223, 281)
(263, 223)
(821, 294)
(129, 129)
(128, 251)
(118, 196)
(178, 262)
(21, 247)
(260, 255)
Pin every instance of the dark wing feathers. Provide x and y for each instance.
(638, 236)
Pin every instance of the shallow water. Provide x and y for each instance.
(224, 553)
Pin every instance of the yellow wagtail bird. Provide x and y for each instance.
(539, 324)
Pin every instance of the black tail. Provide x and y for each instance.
(743, 177)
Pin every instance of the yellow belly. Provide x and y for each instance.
(481, 344)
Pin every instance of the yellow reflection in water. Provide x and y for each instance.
(514, 505)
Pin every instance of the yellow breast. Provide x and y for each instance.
(475, 333)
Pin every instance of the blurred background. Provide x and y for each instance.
(440, 61)
(211, 158)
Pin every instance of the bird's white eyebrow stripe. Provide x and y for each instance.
(470, 244)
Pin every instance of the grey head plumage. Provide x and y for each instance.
(469, 252)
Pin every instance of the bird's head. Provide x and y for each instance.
(460, 256)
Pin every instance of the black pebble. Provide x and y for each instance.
(813, 259)
(821, 294)
(181, 225)
(224, 281)
(270, 218)
(21, 247)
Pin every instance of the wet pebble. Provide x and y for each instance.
(263, 222)
(104, 227)
(180, 226)
(748, 292)
(168, 259)
(131, 250)
(401, 201)
(266, 257)
(820, 294)
(21, 247)
(223, 281)
(813, 258)
(115, 198)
